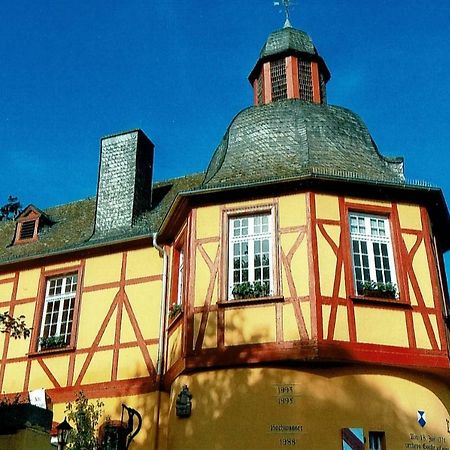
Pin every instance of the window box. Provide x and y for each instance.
(174, 311)
(52, 342)
(378, 290)
(251, 290)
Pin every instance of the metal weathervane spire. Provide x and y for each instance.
(286, 4)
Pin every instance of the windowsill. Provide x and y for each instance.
(251, 301)
(379, 301)
(51, 351)
(173, 321)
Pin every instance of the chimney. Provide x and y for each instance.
(125, 181)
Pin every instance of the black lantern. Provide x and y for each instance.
(63, 433)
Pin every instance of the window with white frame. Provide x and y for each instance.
(179, 298)
(250, 253)
(57, 316)
(372, 253)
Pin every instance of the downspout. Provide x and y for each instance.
(162, 336)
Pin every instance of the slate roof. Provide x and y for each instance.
(73, 224)
(293, 138)
(285, 39)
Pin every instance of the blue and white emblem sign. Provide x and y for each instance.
(421, 418)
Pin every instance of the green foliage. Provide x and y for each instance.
(52, 342)
(174, 310)
(16, 327)
(251, 290)
(84, 416)
(6, 401)
(378, 289)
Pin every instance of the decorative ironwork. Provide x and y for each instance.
(285, 4)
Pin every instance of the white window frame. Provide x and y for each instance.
(375, 256)
(61, 327)
(180, 281)
(264, 235)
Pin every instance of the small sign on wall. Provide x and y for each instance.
(37, 398)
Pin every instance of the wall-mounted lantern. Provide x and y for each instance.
(63, 430)
(184, 402)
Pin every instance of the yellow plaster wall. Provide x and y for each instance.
(292, 210)
(422, 339)
(290, 327)
(409, 216)
(5, 276)
(174, 346)
(250, 325)
(103, 269)
(19, 347)
(322, 402)
(131, 364)
(94, 307)
(145, 299)
(28, 284)
(14, 377)
(422, 272)
(208, 222)
(341, 332)
(365, 201)
(381, 326)
(62, 266)
(327, 259)
(144, 263)
(6, 291)
(327, 207)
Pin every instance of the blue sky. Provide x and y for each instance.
(73, 72)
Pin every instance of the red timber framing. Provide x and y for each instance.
(328, 347)
(320, 343)
(120, 306)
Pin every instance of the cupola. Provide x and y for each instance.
(289, 67)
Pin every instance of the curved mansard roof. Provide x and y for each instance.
(294, 138)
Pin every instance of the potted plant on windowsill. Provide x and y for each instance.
(251, 290)
(378, 289)
(175, 310)
(51, 342)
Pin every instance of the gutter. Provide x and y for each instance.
(162, 335)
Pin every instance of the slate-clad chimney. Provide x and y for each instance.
(124, 182)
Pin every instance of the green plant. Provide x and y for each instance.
(16, 327)
(251, 290)
(174, 310)
(85, 416)
(378, 289)
(6, 401)
(52, 342)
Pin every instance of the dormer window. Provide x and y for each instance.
(28, 223)
(27, 230)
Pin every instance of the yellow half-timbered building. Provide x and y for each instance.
(292, 295)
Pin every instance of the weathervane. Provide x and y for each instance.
(286, 4)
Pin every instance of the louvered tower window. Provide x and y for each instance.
(305, 81)
(259, 91)
(323, 89)
(278, 78)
